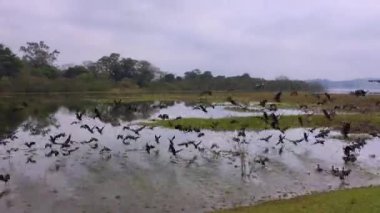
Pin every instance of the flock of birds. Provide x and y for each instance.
(64, 144)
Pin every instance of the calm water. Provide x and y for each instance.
(128, 179)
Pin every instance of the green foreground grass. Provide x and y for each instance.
(359, 122)
(341, 201)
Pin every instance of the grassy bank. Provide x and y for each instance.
(368, 103)
(359, 122)
(342, 201)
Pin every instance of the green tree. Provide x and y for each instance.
(144, 74)
(38, 54)
(40, 59)
(73, 72)
(169, 78)
(10, 64)
(191, 75)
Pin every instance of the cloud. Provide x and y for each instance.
(265, 38)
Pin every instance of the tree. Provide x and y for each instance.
(169, 78)
(145, 73)
(117, 68)
(38, 54)
(207, 75)
(10, 64)
(191, 75)
(73, 72)
(129, 67)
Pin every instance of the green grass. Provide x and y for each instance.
(364, 200)
(359, 122)
(368, 103)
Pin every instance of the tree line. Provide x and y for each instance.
(35, 71)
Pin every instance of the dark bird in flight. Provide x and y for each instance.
(69, 151)
(280, 139)
(296, 142)
(30, 160)
(100, 130)
(30, 144)
(12, 150)
(201, 107)
(97, 113)
(263, 102)
(326, 114)
(131, 137)
(281, 150)
(196, 145)
(318, 169)
(306, 137)
(186, 144)
(91, 140)
(137, 131)
(303, 107)
(346, 129)
(4, 143)
(173, 150)
(94, 146)
(148, 148)
(79, 115)
(261, 160)
(319, 142)
(312, 129)
(266, 139)
(214, 145)
(5, 178)
(163, 116)
(171, 140)
(241, 132)
(265, 117)
(328, 96)
(277, 97)
(105, 149)
(323, 133)
(55, 137)
(85, 126)
(232, 101)
(52, 152)
(157, 138)
(273, 107)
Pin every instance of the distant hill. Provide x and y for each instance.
(349, 84)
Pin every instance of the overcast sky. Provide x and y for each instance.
(300, 39)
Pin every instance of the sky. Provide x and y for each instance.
(300, 39)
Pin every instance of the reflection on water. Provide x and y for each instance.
(217, 111)
(126, 178)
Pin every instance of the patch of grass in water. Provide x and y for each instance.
(359, 122)
(341, 201)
